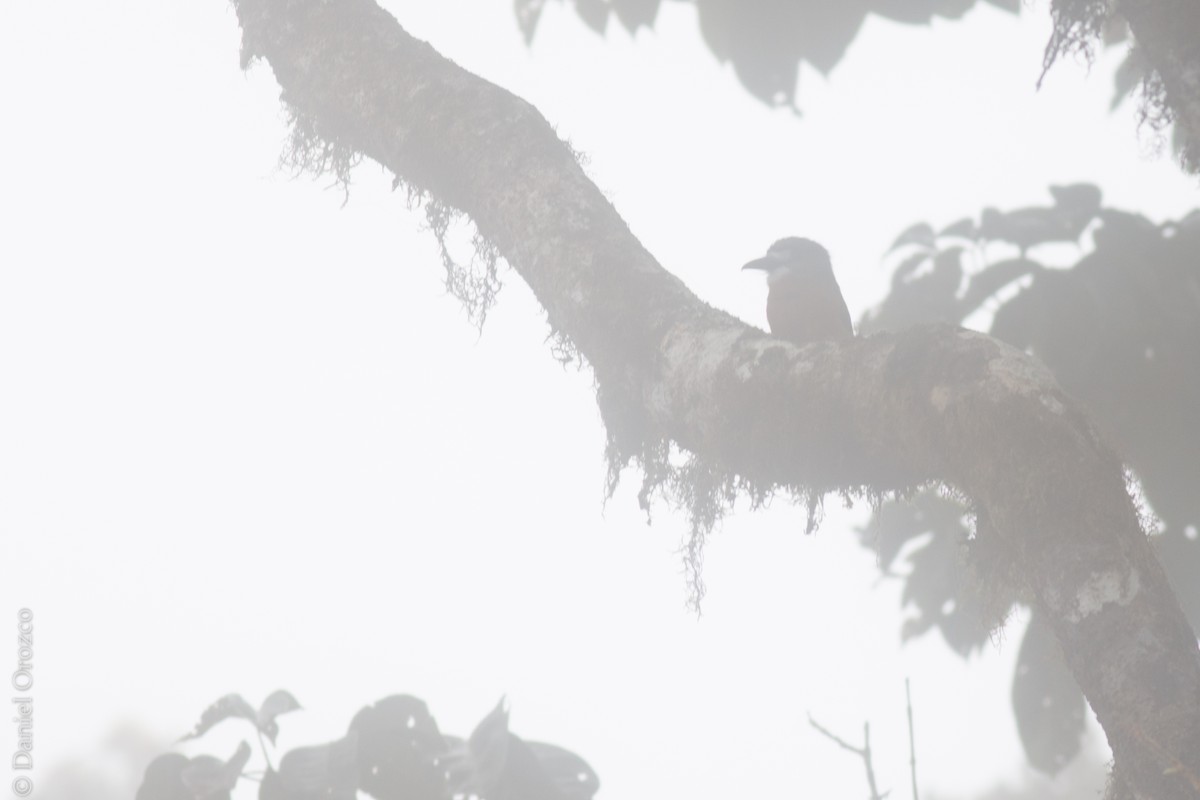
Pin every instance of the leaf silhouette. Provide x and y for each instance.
(488, 745)
(231, 705)
(1048, 705)
(163, 779)
(277, 703)
(321, 772)
(918, 234)
(209, 778)
(400, 750)
(962, 229)
(573, 778)
(633, 14)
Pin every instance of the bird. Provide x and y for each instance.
(804, 302)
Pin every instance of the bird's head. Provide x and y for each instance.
(792, 255)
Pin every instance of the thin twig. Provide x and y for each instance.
(262, 742)
(863, 752)
(912, 747)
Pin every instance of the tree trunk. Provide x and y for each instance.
(880, 414)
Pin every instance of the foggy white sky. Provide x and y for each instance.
(247, 441)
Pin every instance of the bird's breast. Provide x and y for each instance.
(808, 308)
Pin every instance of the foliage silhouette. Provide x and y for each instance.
(1120, 329)
(393, 750)
(766, 39)
(234, 705)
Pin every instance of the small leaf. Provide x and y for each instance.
(571, 775)
(322, 772)
(1029, 227)
(231, 705)
(915, 627)
(1081, 199)
(992, 279)
(1048, 705)
(163, 779)
(633, 14)
(1116, 30)
(919, 234)
(1190, 223)
(400, 750)
(594, 14)
(962, 229)
(209, 778)
(936, 594)
(277, 703)
(909, 266)
(488, 744)
(1124, 229)
(1131, 72)
(528, 12)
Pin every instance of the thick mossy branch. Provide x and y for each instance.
(318, 148)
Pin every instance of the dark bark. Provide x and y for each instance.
(883, 413)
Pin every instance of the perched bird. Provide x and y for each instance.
(804, 302)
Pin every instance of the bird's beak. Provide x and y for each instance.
(765, 263)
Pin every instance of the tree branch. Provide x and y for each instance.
(884, 413)
(863, 752)
(912, 742)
